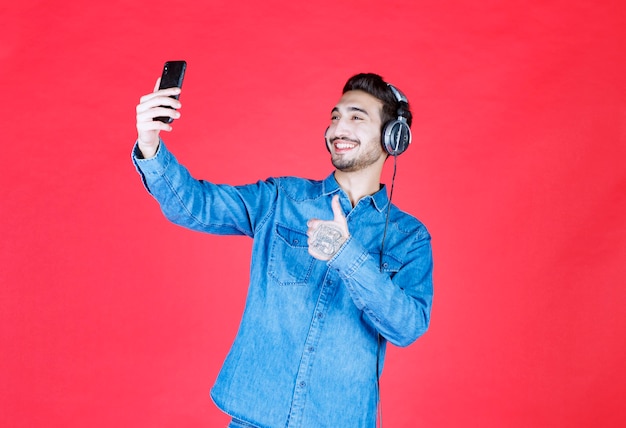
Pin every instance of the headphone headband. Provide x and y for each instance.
(399, 95)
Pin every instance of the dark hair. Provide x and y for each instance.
(374, 85)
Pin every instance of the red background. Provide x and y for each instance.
(111, 316)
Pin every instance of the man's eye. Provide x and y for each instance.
(357, 118)
(334, 117)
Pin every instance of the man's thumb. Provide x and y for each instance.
(337, 210)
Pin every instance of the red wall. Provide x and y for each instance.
(111, 316)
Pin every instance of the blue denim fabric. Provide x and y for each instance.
(234, 423)
(306, 351)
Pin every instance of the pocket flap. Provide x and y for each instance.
(292, 237)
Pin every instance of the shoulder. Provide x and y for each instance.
(408, 224)
(298, 188)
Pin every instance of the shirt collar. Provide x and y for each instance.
(379, 199)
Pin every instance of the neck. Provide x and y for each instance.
(358, 184)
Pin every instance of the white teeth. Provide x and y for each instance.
(344, 146)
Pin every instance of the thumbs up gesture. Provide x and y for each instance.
(327, 237)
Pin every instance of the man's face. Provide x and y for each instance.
(353, 137)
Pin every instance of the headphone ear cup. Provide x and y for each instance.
(396, 137)
(326, 142)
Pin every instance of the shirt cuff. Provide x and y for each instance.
(349, 258)
(156, 165)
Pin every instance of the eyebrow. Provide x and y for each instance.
(351, 109)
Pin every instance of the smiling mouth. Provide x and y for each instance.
(344, 144)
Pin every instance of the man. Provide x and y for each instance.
(322, 300)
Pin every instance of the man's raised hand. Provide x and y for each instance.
(150, 106)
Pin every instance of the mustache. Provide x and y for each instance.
(332, 140)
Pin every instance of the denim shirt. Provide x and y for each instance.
(310, 346)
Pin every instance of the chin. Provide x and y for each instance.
(343, 166)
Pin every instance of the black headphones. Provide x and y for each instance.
(396, 134)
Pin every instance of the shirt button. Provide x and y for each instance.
(302, 384)
(320, 315)
(385, 265)
(311, 349)
(296, 242)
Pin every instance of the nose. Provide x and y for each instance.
(340, 128)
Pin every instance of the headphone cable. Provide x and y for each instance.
(382, 248)
(393, 181)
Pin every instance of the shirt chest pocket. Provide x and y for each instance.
(389, 263)
(290, 262)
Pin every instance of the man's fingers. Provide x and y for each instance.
(151, 105)
(160, 93)
(312, 224)
(150, 114)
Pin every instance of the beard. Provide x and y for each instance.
(362, 161)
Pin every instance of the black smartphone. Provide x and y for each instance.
(172, 76)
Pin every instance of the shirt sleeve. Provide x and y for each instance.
(200, 205)
(399, 304)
